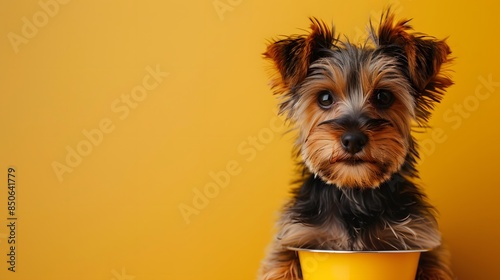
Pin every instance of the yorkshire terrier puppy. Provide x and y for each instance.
(353, 107)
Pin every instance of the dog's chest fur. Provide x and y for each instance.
(392, 216)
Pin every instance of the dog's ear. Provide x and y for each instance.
(424, 58)
(293, 55)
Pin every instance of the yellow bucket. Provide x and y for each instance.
(358, 265)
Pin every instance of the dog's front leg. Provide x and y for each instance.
(280, 264)
(434, 265)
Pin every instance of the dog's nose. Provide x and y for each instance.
(353, 141)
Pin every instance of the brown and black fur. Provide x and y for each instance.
(360, 196)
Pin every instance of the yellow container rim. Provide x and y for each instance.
(359, 252)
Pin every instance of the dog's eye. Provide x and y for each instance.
(325, 99)
(383, 99)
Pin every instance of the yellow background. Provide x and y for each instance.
(117, 215)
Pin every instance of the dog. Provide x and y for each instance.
(354, 108)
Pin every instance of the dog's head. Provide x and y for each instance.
(354, 105)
